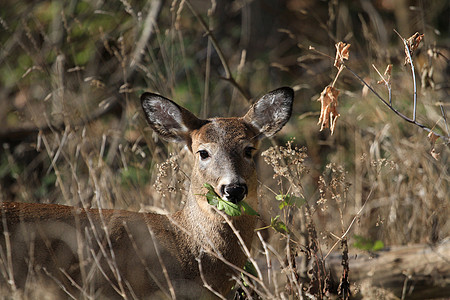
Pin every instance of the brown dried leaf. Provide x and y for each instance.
(436, 155)
(386, 76)
(341, 54)
(412, 43)
(432, 137)
(427, 77)
(328, 111)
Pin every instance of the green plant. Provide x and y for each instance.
(228, 207)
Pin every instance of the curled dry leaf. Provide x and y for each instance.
(387, 76)
(432, 137)
(328, 111)
(427, 77)
(341, 54)
(436, 155)
(412, 43)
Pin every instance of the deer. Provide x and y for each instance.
(96, 253)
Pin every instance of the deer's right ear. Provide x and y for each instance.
(270, 113)
(171, 121)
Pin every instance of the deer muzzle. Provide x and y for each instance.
(234, 192)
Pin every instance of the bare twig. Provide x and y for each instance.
(444, 116)
(386, 83)
(266, 253)
(292, 272)
(356, 217)
(72, 282)
(405, 285)
(241, 241)
(59, 283)
(408, 52)
(149, 272)
(205, 284)
(228, 76)
(413, 120)
(147, 32)
(337, 75)
(103, 272)
(444, 138)
(7, 257)
(162, 264)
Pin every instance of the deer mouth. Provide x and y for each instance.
(234, 192)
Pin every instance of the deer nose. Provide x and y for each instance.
(234, 192)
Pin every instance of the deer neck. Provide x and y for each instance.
(211, 230)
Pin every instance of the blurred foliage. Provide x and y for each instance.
(133, 177)
(363, 243)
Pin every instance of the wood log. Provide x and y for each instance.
(407, 272)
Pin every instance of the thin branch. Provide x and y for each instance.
(413, 73)
(378, 95)
(358, 214)
(444, 115)
(202, 276)
(147, 32)
(147, 269)
(228, 76)
(162, 264)
(59, 283)
(337, 75)
(73, 283)
(388, 85)
(446, 139)
(268, 260)
(241, 241)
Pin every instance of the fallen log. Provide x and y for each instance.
(407, 272)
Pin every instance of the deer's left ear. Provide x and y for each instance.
(272, 111)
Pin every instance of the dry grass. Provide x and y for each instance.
(76, 73)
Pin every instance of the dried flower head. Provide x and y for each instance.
(287, 162)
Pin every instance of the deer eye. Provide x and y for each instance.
(203, 154)
(248, 152)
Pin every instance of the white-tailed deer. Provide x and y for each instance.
(92, 253)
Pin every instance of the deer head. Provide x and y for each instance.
(223, 147)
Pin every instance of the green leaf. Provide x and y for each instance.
(248, 209)
(211, 196)
(367, 244)
(210, 188)
(378, 245)
(289, 200)
(279, 197)
(229, 208)
(47, 182)
(278, 225)
(249, 268)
